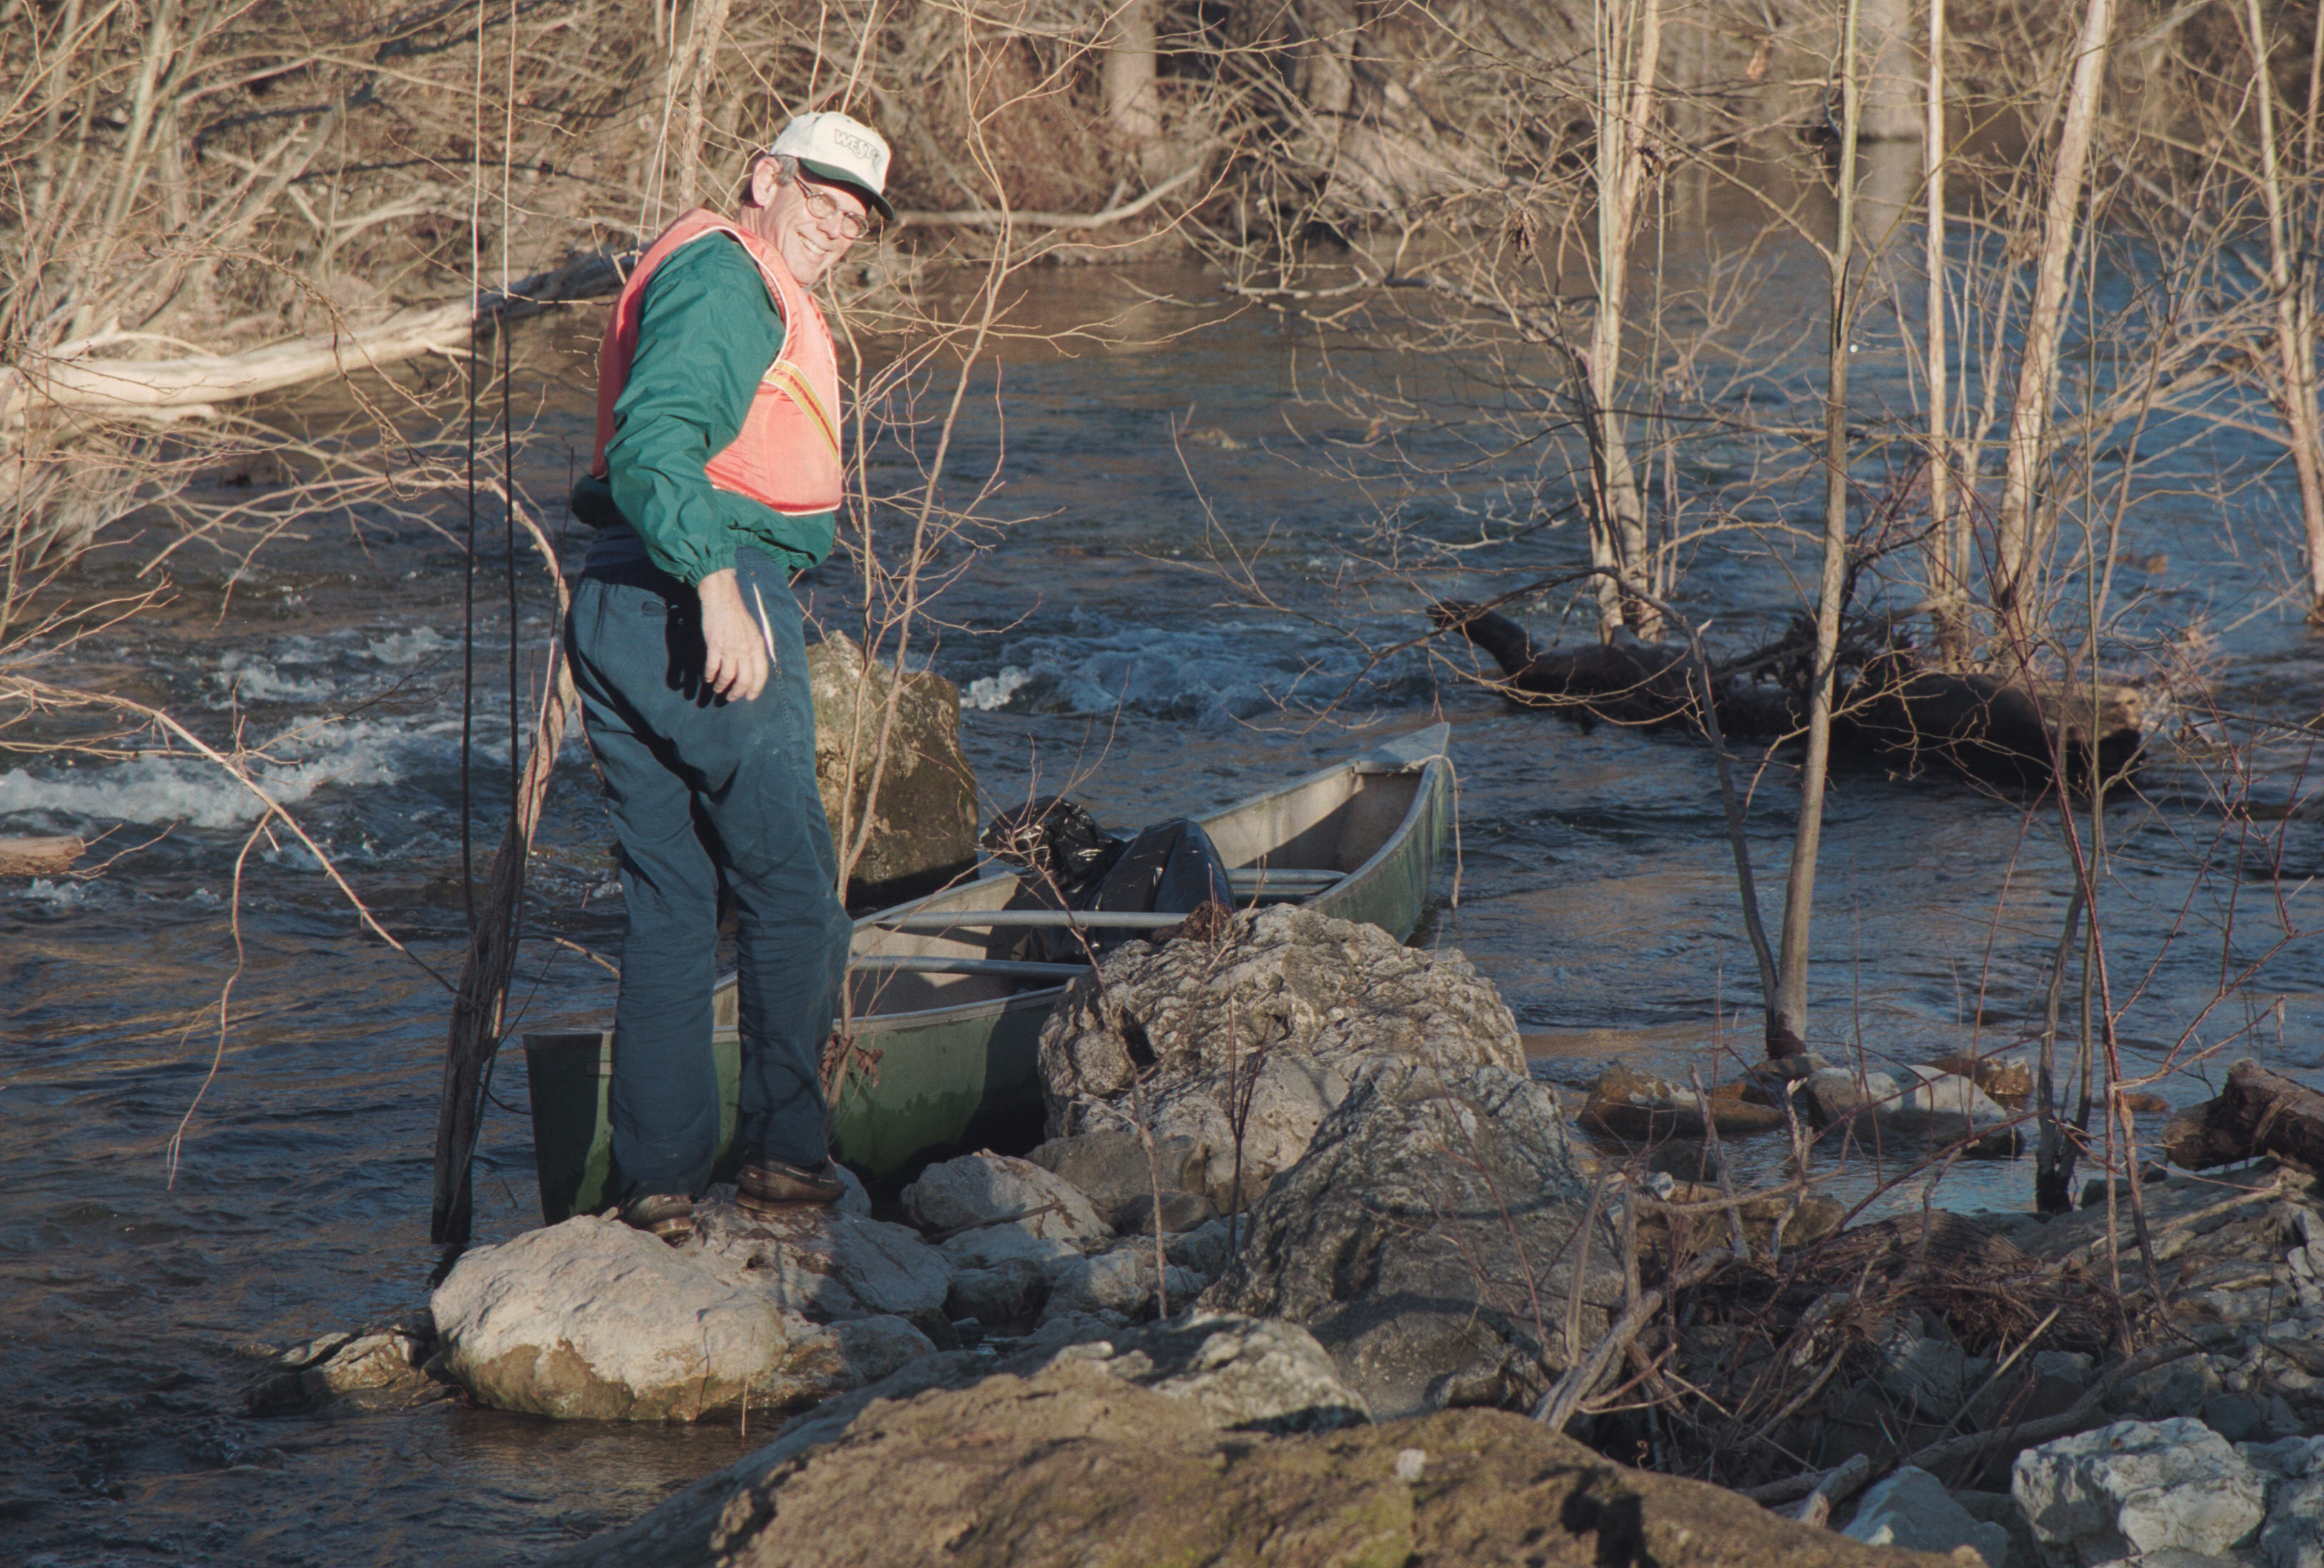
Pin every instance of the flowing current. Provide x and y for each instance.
(1185, 609)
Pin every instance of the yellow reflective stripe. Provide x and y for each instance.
(792, 382)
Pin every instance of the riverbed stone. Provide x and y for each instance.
(383, 1366)
(1912, 1508)
(593, 1320)
(1429, 1236)
(1000, 1192)
(925, 816)
(1242, 1045)
(2137, 1487)
(1837, 1093)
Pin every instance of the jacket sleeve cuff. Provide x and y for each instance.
(716, 557)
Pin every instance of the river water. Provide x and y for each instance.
(1100, 641)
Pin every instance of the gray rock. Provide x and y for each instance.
(593, 1320)
(2293, 1535)
(1122, 1280)
(2139, 1487)
(988, 1246)
(1942, 1104)
(1009, 1292)
(977, 1188)
(382, 1365)
(1911, 1508)
(1418, 1272)
(827, 1263)
(2001, 1508)
(1931, 1375)
(1837, 1093)
(2167, 1393)
(1203, 1248)
(2232, 1417)
(1181, 1210)
(1283, 1009)
(925, 829)
(2059, 1377)
(1112, 1169)
(1244, 1374)
(2289, 1457)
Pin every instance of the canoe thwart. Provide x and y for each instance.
(931, 965)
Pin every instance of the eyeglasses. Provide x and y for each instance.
(822, 206)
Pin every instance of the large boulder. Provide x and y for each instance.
(1228, 1372)
(1242, 1046)
(591, 1320)
(1073, 1465)
(1432, 1237)
(924, 816)
(2139, 1486)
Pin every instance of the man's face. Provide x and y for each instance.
(808, 224)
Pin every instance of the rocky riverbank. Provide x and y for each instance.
(1308, 1255)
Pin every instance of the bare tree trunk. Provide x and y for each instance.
(702, 54)
(1949, 546)
(2019, 541)
(1133, 103)
(1886, 109)
(2295, 319)
(1629, 49)
(160, 41)
(1787, 1010)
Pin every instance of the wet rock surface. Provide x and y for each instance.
(1432, 1237)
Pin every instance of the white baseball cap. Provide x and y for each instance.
(846, 152)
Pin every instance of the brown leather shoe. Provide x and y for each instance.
(669, 1216)
(767, 1186)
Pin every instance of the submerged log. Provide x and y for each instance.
(1645, 685)
(1991, 728)
(1988, 728)
(2259, 1113)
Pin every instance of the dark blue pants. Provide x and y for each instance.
(700, 789)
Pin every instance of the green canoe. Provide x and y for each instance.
(946, 1036)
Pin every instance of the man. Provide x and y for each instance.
(717, 475)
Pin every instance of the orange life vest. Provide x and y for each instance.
(787, 454)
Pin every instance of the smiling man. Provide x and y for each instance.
(717, 475)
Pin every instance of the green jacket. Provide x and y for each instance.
(706, 333)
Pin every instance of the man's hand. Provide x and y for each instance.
(734, 665)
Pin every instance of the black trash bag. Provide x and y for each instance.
(1057, 842)
(1171, 868)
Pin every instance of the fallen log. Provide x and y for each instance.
(1986, 726)
(191, 386)
(2259, 1113)
(38, 857)
(1644, 685)
(1991, 728)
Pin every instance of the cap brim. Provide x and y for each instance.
(832, 175)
